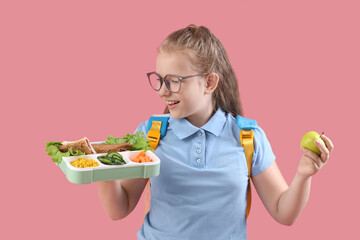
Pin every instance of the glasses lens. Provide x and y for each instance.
(173, 83)
(155, 81)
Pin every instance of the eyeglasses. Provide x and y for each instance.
(172, 82)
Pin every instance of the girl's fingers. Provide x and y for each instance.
(328, 142)
(325, 153)
(313, 156)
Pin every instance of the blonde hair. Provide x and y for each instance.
(208, 55)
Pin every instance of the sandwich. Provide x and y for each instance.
(86, 147)
(82, 145)
(58, 150)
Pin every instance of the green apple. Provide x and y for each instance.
(308, 141)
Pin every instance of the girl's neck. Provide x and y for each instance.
(201, 118)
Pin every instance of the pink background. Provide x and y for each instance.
(71, 69)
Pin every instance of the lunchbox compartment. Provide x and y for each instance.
(125, 158)
(132, 154)
(69, 160)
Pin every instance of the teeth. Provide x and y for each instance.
(171, 102)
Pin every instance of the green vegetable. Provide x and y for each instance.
(52, 149)
(105, 160)
(114, 155)
(112, 158)
(138, 141)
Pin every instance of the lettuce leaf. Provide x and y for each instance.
(52, 149)
(138, 141)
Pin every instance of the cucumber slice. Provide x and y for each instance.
(120, 158)
(113, 154)
(118, 162)
(105, 160)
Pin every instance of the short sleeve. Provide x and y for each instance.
(263, 155)
(142, 128)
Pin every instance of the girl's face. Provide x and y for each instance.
(193, 101)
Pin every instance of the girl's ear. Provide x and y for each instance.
(212, 81)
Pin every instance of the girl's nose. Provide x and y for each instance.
(164, 91)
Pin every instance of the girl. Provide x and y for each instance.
(201, 190)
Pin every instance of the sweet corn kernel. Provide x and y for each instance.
(83, 163)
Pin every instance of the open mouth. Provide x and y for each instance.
(171, 103)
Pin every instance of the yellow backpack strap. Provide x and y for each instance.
(156, 129)
(247, 141)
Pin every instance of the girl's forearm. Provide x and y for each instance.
(293, 200)
(113, 198)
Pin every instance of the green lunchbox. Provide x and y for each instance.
(105, 172)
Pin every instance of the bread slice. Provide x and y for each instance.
(82, 145)
(106, 148)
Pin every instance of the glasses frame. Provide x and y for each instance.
(167, 84)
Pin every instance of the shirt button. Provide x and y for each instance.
(199, 141)
(198, 160)
(198, 150)
(199, 133)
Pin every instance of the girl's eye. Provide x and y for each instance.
(173, 80)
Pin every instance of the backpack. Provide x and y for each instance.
(156, 129)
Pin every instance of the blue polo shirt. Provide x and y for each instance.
(200, 192)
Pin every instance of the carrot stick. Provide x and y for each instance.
(141, 158)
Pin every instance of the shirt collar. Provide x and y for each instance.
(183, 128)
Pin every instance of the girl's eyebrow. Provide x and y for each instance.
(169, 74)
(165, 74)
